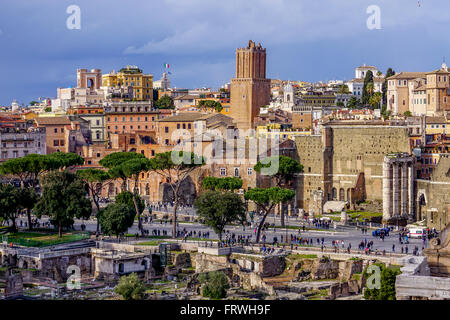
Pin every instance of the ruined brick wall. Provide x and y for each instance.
(334, 161)
(310, 155)
(436, 196)
(56, 268)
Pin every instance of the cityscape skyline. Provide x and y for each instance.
(304, 46)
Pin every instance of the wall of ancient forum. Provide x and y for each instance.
(346, 159)
(398, 186)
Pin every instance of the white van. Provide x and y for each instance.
(416, 233)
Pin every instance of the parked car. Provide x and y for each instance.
(416, 233)
(380, 231)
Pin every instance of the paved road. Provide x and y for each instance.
(350, 236)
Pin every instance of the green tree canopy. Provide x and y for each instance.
(266, 199)
(115, 162)
(116, 218)
(63, 199)
(375, 100)
(353, 102)
(117, 158)
(226, 183)
(28, 169)
(63, 160)
(287, 167)
(130, 287)
(217, 209)
(210, 104)
(9, 204)
(367, 91)
(214, 284)
(343, 89)
(94, 179)
(389, 73)
(284, 174)
(175, 167)
(126, 197)
(165, 102)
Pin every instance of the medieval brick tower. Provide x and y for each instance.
(250, 90)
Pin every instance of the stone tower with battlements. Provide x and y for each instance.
(250, 90)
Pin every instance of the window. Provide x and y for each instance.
(189, 125)
(167, 142)
(97, 122)
(56, 130)
(178, 126)
(223, 171)
(249, 171)
(55, 143)
(166, 129)
(236, 172)
(184, 125)
(98, 155)
(153, 152)
(62, 129)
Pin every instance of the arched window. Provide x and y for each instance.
(334, 194)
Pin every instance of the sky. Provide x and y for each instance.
(309, 40)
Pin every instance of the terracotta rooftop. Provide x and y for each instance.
(53, 120)
(185, 116)
(436, 120)
(408, 75)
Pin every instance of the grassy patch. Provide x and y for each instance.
(302, 256)
(355, 259)
(150, 243)
(356, 276)
(318, 294)
(360, 215)
(395, 267)
(35, 239)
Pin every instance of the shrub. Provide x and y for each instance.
(387, 284)
(130, 287)
(214, 284)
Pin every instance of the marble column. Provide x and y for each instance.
(411, 178)
(387, 191)
(404, 189)
(395, 190)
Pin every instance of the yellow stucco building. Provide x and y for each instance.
(131, 76)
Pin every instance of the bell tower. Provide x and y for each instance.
(250, 90)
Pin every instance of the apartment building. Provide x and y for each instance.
(18, 142)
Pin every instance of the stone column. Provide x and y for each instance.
(396, 190)
(387, 190)
(411, 178)
(404, 189)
